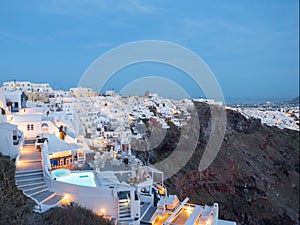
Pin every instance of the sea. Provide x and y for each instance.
(257, 100)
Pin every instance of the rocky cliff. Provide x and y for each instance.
(254, 177)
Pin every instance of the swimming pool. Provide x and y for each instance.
(81, 178)
(60, 173)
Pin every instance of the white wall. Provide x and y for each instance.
(30, 133)
(135, 209)
(13, 96)
(6, 143)
(2, 118)
(35, 110)
(92, 198)
(2, 98)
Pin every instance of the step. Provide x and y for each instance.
(28, 147)
(29, 141)
(42, 196)
(29, 181)
(28, 171)
(29, 166)
(123, 200)
(124, 210)
(53, 200)
(29, 161)
(30, 177)
(124, 215)
(124, 204)
(33, 187)
(26, 183)
(125, 221)
(124, 207)
(28, 174)
(36, 191)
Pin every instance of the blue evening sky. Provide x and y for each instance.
(251, 46)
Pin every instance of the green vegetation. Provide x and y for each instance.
(72, 214)
(14, 206)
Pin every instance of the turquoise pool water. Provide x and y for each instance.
(60, 173)
(80, 178)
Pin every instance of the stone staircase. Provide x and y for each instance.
(124, 209)
(32, 183)
(30, 179)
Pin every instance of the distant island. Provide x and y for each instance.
(294, 101)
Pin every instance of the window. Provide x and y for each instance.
(15, 135)
(15, 138)
(30, 126)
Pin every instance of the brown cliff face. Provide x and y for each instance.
(254, 178)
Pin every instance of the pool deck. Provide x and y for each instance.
(111, 174)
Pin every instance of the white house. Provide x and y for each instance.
(11, 138)
(26, 86)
